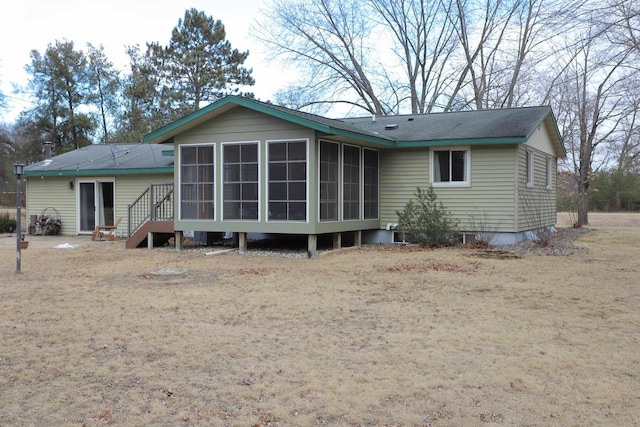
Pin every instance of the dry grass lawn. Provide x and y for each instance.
(376, 336)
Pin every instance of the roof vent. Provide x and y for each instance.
(410, 119)
(390, 127)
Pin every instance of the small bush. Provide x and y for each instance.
(7, 224)
(426, 221)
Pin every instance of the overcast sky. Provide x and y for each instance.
(34, 24)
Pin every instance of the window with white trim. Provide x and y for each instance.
(329, 167)
(287, 177)
(530, 168)
(350, 182)
(240, 181)
(371, 197)
(549, 174)
(450, 167)
(197, 185)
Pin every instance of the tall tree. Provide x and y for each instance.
(199, 65)
(105, 83)
(143, 106)
(591, 111)
(60, 83)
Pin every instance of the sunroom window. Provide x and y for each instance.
(197, 189)
(371, 198)
(240, 181)
(287, 180)
(329, 168)
(350, 182)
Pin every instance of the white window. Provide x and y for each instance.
(197, 189)
(450, 167)
(530, 168)
(287, 180)
(240, 181)
(549, 173)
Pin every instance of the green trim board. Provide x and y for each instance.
(94, 172)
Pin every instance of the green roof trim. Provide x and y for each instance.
(455, 142)
(92, 172)
(168, 153)
(317, 123)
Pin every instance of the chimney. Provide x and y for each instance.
(47, 149)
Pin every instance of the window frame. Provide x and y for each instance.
(467, 167)
(198, 183)
(530, 164)
(224, 180)
(364, 185)
(269, 144)
(337, 200)
(359, 184)
(549, 173)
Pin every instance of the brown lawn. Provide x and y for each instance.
(376, 336)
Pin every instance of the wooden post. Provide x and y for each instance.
(357, 238)
(337, 240)
(179, 238)
(242, 243)
(312, 246)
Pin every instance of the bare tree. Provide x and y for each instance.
(425, 43)
(328, 41)
(591, 110)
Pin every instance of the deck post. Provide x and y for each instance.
(242, 243)
(337, 240)
(179, 238)
(149, 240)
(312, 246)
(357, 238)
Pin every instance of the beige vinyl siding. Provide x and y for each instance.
(537, 203)
(240, 125)
(489, 201)
(45, 192)
(401, 172)
(128, 188)
(54, 191)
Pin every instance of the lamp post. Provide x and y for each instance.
(18, 170)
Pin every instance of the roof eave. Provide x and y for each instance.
(460, 142)
(92, 172)
(232, 101)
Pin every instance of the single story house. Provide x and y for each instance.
(246, 166)
(95, 185)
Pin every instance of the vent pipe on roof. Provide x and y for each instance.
(47, 149)
(373, 118)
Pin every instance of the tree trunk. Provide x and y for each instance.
(583, 208)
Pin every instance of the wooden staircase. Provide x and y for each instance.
(151, 217)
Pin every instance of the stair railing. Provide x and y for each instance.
(154, 204)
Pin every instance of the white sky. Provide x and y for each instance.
(26, 25)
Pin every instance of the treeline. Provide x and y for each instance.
(81, 98)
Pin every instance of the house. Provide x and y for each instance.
(246, 166)
(95, 185)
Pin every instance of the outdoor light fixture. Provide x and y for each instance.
(70, 186)
(18, 170)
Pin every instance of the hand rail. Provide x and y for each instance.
(154, 204)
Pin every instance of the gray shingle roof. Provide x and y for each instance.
(464, 125)
(129, 158)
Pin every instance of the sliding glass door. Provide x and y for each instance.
(96, 204)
